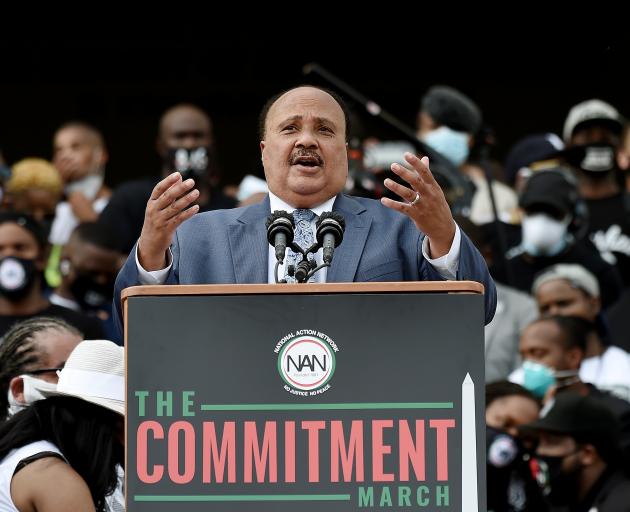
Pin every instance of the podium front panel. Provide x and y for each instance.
(304, 402)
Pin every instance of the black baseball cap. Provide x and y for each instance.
(582, 417)
(549, 188)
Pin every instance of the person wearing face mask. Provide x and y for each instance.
(592, 132)
(89, 264)
(571, 290)
(31, 352)
(22, 260)
(66, 452)
(184, 144)
(623, 156)
(80, 155)
(552, 230)
(578, 453)
(510, 477)
(552, 350)
(448, 122)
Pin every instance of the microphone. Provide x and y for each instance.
(330, 227)
(280, 226)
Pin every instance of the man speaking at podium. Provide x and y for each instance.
(304, 153)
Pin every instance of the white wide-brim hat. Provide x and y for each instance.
(94, 372)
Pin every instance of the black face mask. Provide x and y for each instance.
(195, 163)
(597, 160)
(502, 454)
(17, 277)
(503, 449)
(562, 487)
(90, 295)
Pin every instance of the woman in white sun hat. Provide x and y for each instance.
(63, 453)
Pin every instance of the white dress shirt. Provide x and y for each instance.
(446, 265)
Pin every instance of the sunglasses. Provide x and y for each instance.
(44, 370)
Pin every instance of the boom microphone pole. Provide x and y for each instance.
(461, 189)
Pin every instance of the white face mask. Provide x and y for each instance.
(88, 186)
(544, 235)
(451, 144)
(33, 388)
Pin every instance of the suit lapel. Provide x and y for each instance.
(348, 255)
(249, 246)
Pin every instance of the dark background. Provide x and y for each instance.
(523, 85)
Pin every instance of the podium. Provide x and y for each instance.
(336, 397)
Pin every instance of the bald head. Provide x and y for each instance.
(86, 132)
(304, 150)
(271, 103)
(185, 120)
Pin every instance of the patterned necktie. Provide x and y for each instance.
(303, 237)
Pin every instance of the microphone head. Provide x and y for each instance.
(280, 222)
(330, 223)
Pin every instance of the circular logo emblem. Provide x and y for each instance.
(306, 363)
(502, 451)
(12, 274)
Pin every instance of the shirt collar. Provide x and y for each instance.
(276, 203)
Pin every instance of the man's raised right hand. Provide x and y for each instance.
(167, 208)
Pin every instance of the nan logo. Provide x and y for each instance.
(306, 362)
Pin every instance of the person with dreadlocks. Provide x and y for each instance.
(66, 452)
(30, 354)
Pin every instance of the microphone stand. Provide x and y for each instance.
(305, 263)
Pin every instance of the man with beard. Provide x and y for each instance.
(552, 350)
(578, 444)
(592, 134)
(304, 152)
(22, 260)
(184, 144)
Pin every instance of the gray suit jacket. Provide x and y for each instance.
(379, 244)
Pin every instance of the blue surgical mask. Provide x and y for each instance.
(538, 378)
(451, 144)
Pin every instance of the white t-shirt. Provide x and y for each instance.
(609, 372)
(65, 220)
(10, 462)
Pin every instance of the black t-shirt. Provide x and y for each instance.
(621, 409)
(525, 267)
(609, 230)
(611, 493)
(125, 211)
(90, 327)
(618, 321)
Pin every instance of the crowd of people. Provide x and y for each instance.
(549, 225)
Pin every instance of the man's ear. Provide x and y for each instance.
(160, 147)
(575, 355)
(42, 260)
(16, 387)
(262, 149)
(596, 304)
(588, 455)
(101, 156)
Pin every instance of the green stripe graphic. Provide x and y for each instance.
(326, 407)
(243, 497)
